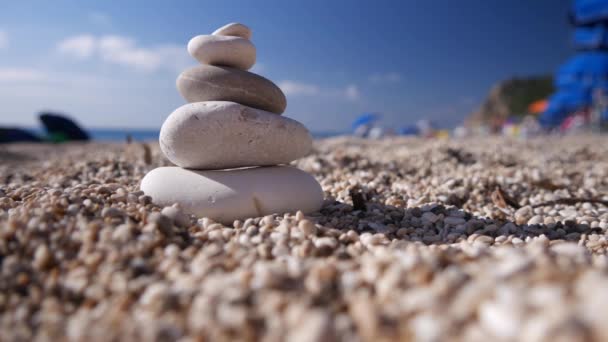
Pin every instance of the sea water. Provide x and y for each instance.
(122, 134)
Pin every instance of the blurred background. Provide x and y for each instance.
(433, 68)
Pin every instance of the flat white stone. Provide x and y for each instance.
(234, 29)
(220, 83)
(222, 135)
(229, 51)
(228, 195)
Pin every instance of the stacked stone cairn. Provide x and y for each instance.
(230, 142)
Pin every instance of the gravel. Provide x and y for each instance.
(417, 239)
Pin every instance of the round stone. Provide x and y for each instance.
(228, 195)
(217, 83)
(221, 135)
(228, 51)
(234, 29)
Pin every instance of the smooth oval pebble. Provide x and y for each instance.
(228, 195)
(217, 83)
(234, 29)
(221, 135)
(228, 51)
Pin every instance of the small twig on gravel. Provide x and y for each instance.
(501, 199)
(147, 154)
(570, 201)
(547, 184)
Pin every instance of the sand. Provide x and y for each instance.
(417, 239)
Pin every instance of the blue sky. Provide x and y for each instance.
(114, 63)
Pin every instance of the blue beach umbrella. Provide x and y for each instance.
(585, 12)
(591, 37)
(562, 104)
(584, 70)
(365, 119)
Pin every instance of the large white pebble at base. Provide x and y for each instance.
(229, 51)
(222, 135)
(228, 195)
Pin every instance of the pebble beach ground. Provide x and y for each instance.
(417, 240)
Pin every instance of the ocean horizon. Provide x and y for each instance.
(137, 134)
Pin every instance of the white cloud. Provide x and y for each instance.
(352, 92)
(125, 51)
(383, 78)
(100, 18)
(298, 88)
(174, 57)
(14, 75)
(295, 88)
(3, 39)
(81, 46)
